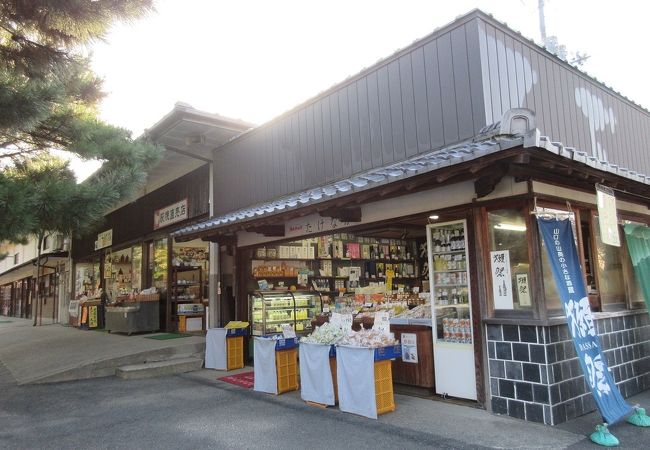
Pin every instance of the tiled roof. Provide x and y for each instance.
(487, 142)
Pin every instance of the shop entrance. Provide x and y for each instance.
(384, 267)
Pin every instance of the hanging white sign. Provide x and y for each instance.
(523, 291)
(607, 220)
(382, 322)
(501, 279)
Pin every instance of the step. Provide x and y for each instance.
(159, 368)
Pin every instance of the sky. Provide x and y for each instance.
(253, 60)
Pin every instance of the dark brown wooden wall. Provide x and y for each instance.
(135, 220)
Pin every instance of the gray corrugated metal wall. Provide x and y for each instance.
(426, 97)
(570, 107)
(439, 91)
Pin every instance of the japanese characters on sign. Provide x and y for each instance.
(170, 214)
(409, 348)
(563, 256)
(501, 279)
(313, 223)
(104, 239)
(523, 290)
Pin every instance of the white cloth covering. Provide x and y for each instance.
(315, 375)
(266, 379)
(216, 356)
(355, 367)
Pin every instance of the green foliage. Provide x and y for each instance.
(48, 100)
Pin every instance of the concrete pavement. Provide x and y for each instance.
(33, 355)
(52, 353)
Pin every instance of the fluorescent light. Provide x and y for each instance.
(434, 217)
(510, 227)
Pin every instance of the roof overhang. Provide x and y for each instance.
(499, 150)
(28, 268)
(190, 132)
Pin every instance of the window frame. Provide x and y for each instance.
(524, 206)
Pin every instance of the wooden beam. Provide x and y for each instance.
(486, 183)
(268, 230)
(350, 214)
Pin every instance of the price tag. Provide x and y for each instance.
(346, 322)
(382, 322)
(326, 308)
(288, 332)
(368, 305)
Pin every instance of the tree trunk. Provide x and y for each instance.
(37, 291)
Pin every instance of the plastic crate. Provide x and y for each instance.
(235, 352)
(384, 395)
(286, 344)
(286, 367)
(236, 332)
(385, 353)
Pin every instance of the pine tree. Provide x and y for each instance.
(48, 100)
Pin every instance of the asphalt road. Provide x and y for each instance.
(183, 412)
(193, 411)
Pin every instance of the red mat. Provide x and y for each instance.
(245, 380)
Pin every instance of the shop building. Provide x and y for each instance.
(132, 256)
(414, 182)
(18, 275)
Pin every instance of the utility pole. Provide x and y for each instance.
(542, 23)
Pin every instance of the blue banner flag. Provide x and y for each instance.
(561, 249)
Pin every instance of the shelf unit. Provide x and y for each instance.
(180, 289)
(276, 268)
(270, 310)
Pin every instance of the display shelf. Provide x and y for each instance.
(301, 302)
(449, 252)
(451, 285)
(450, 270)
(181, 287)
(456, 305)
(273, 308)
(185, 268)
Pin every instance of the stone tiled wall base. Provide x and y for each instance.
(535, 374)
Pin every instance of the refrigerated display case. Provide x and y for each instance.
(451, 310)
(269, 311)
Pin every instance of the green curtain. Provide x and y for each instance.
(638, 244)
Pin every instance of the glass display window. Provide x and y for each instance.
(509, 261)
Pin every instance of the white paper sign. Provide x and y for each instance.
(288, 332)
(346, 322)
(382, 322)
(409, 348)
(607, 219)
(523, 290)
(335, 320)
(501, 279)
(355, 273)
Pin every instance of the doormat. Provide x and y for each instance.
(245, 380)
(167, 336)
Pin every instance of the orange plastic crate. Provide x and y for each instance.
(384, 395)
(286, 364)
(235, 352)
